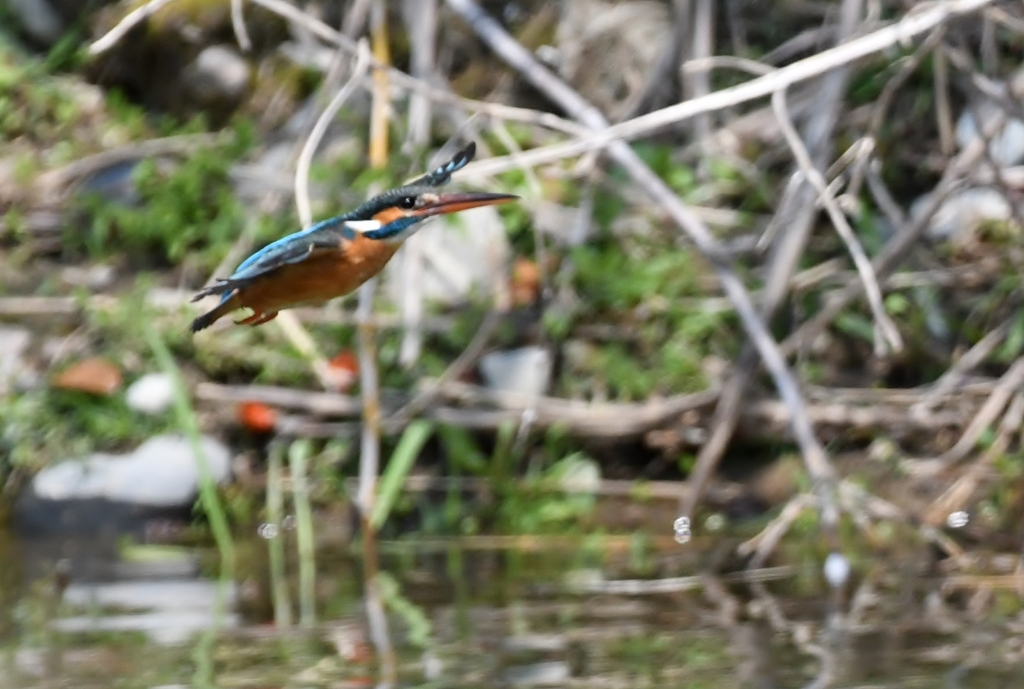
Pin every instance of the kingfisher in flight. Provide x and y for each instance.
(335, 256)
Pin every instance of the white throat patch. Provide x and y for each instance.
(363, 226)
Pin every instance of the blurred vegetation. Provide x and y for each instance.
(631, 314)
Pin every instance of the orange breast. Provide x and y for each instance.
(324, 275)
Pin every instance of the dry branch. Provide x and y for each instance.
(838, 410)
(895, 34)
(796, 213)
(814, 455)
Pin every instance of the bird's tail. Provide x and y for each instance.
(211, 316)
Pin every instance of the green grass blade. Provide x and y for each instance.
(298, 460)
(210, 502)
(404, 456)
(275, 543)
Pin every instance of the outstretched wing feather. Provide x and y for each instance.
(443, 174)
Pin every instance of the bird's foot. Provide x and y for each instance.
(258, 318)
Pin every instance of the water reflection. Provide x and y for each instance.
(478, 616)
(167, 610)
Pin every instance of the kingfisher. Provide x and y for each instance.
(335, 256)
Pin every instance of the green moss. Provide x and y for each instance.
(187, 211)
(651, 291)
(34, 104)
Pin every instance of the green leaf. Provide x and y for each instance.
(857, 325)
(1011, 349)
(402, 459)
(413, 615)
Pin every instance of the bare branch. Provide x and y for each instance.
(110, 39)
(890, 332)
(898, 33)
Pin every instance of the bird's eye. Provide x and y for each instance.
(407, 202)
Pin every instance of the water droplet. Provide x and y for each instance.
(288, 523)
(958, 519)
(714, 522)
(267, 531)
(682, 528)
(837, 569)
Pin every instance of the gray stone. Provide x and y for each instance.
(162, 472)
(1007, 145)
(38, 19)
(219, 73)
(153, 393)
(963, 212)
(526, 370)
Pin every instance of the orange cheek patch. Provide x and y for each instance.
(388, 215)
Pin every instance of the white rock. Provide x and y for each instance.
(219, 72)
(526, 370)
(963, 212)
(1006, 147)
(162, 472)
(153, 393)
(92, 277)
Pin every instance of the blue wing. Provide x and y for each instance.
(292, 248)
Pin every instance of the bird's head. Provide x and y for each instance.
(398, 212)
(395, 214)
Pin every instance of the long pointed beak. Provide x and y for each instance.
(455, 202)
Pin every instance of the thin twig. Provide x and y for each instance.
(880, 108)
(970, 360)
(462, 363)
(743, 64)
(421, 27)
(702, 46)
(943, 109)
(957, 495)
(796, 213)
(369, 375)
(894, 250)
(287, 321)
(110, 39)
(305, 345)
(587, 419)
(381, 104)
(325, 32)
(53, 184)
(851, 51)
(238, 26)
(890, 332)
(319, 129)
(1001, 16)
(1011, 381)
(511, 51)
(355, 18)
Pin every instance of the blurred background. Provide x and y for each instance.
(540, 449)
